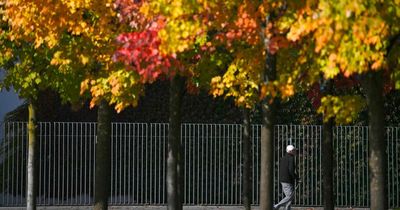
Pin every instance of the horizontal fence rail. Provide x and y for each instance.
(213, 165)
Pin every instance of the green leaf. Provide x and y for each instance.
(38, 80)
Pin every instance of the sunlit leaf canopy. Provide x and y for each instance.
(220, 45)
(80, 34)
(162, 32)
(28, 71)
(189, 37)
(347, 38)
(327, 38)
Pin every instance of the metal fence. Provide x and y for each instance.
(213, 164)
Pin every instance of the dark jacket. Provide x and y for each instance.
(287, 169)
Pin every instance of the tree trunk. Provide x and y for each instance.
(327, 165)
(267, 141)
(373, 85)
(327, 161)
(175, 153)
(247, 163)
(32, 185)
(103, 157)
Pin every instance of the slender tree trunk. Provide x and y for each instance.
(327, 165)
(175, 153)
(247, 157)
(373, 84)
(32, 158)
(103, 157)
(267, 141)
(327, 161)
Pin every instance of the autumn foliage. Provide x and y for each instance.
(79, 37)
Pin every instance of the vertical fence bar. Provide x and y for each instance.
(112, 178)
(47, 163)
(319, 139)
(85, 166)
(143, 172)
(154, 174)
(118, 186)
(354, 160)
(13, 162)
(158, 188)
(149, 145)
(18, 162)
(82, 163)
(136, 158)
(165, 130)
(367, 158)
(201, 137)
(121, 163)
(10, 198)
(317, 164)
(342, 177)
(125, 177)
(397, 167)
(230, 164)
(55, 158)
(336, 180)
(211, 166)
(156, 167)
(40, 166)
(147, 171)
(253, 158)
(75, 138)
(8, 165)
(238, 177)
(233, 162)
(135, 163)
(20, 152)
(4, 155)
(12, 172)
(69, 165)
(115, 163)
(197, 162)
(73, 156)
(92, 143)
(224, 172)
(206, 163)
(215, 163)
(128, 179)
(3, 158)
(17, 168)
(62, 138)
(192, 159)
(389, 137)
(185, 140)
(347, 165)
(359, 171)
(258, 165)
(203, 182)
(190, 167)
(338, 162)
(218, 141)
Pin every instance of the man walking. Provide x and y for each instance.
(287, 177)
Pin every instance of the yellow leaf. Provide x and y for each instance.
(84, 59)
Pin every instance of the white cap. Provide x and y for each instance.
(289, 148)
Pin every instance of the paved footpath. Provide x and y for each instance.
(165, 208)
